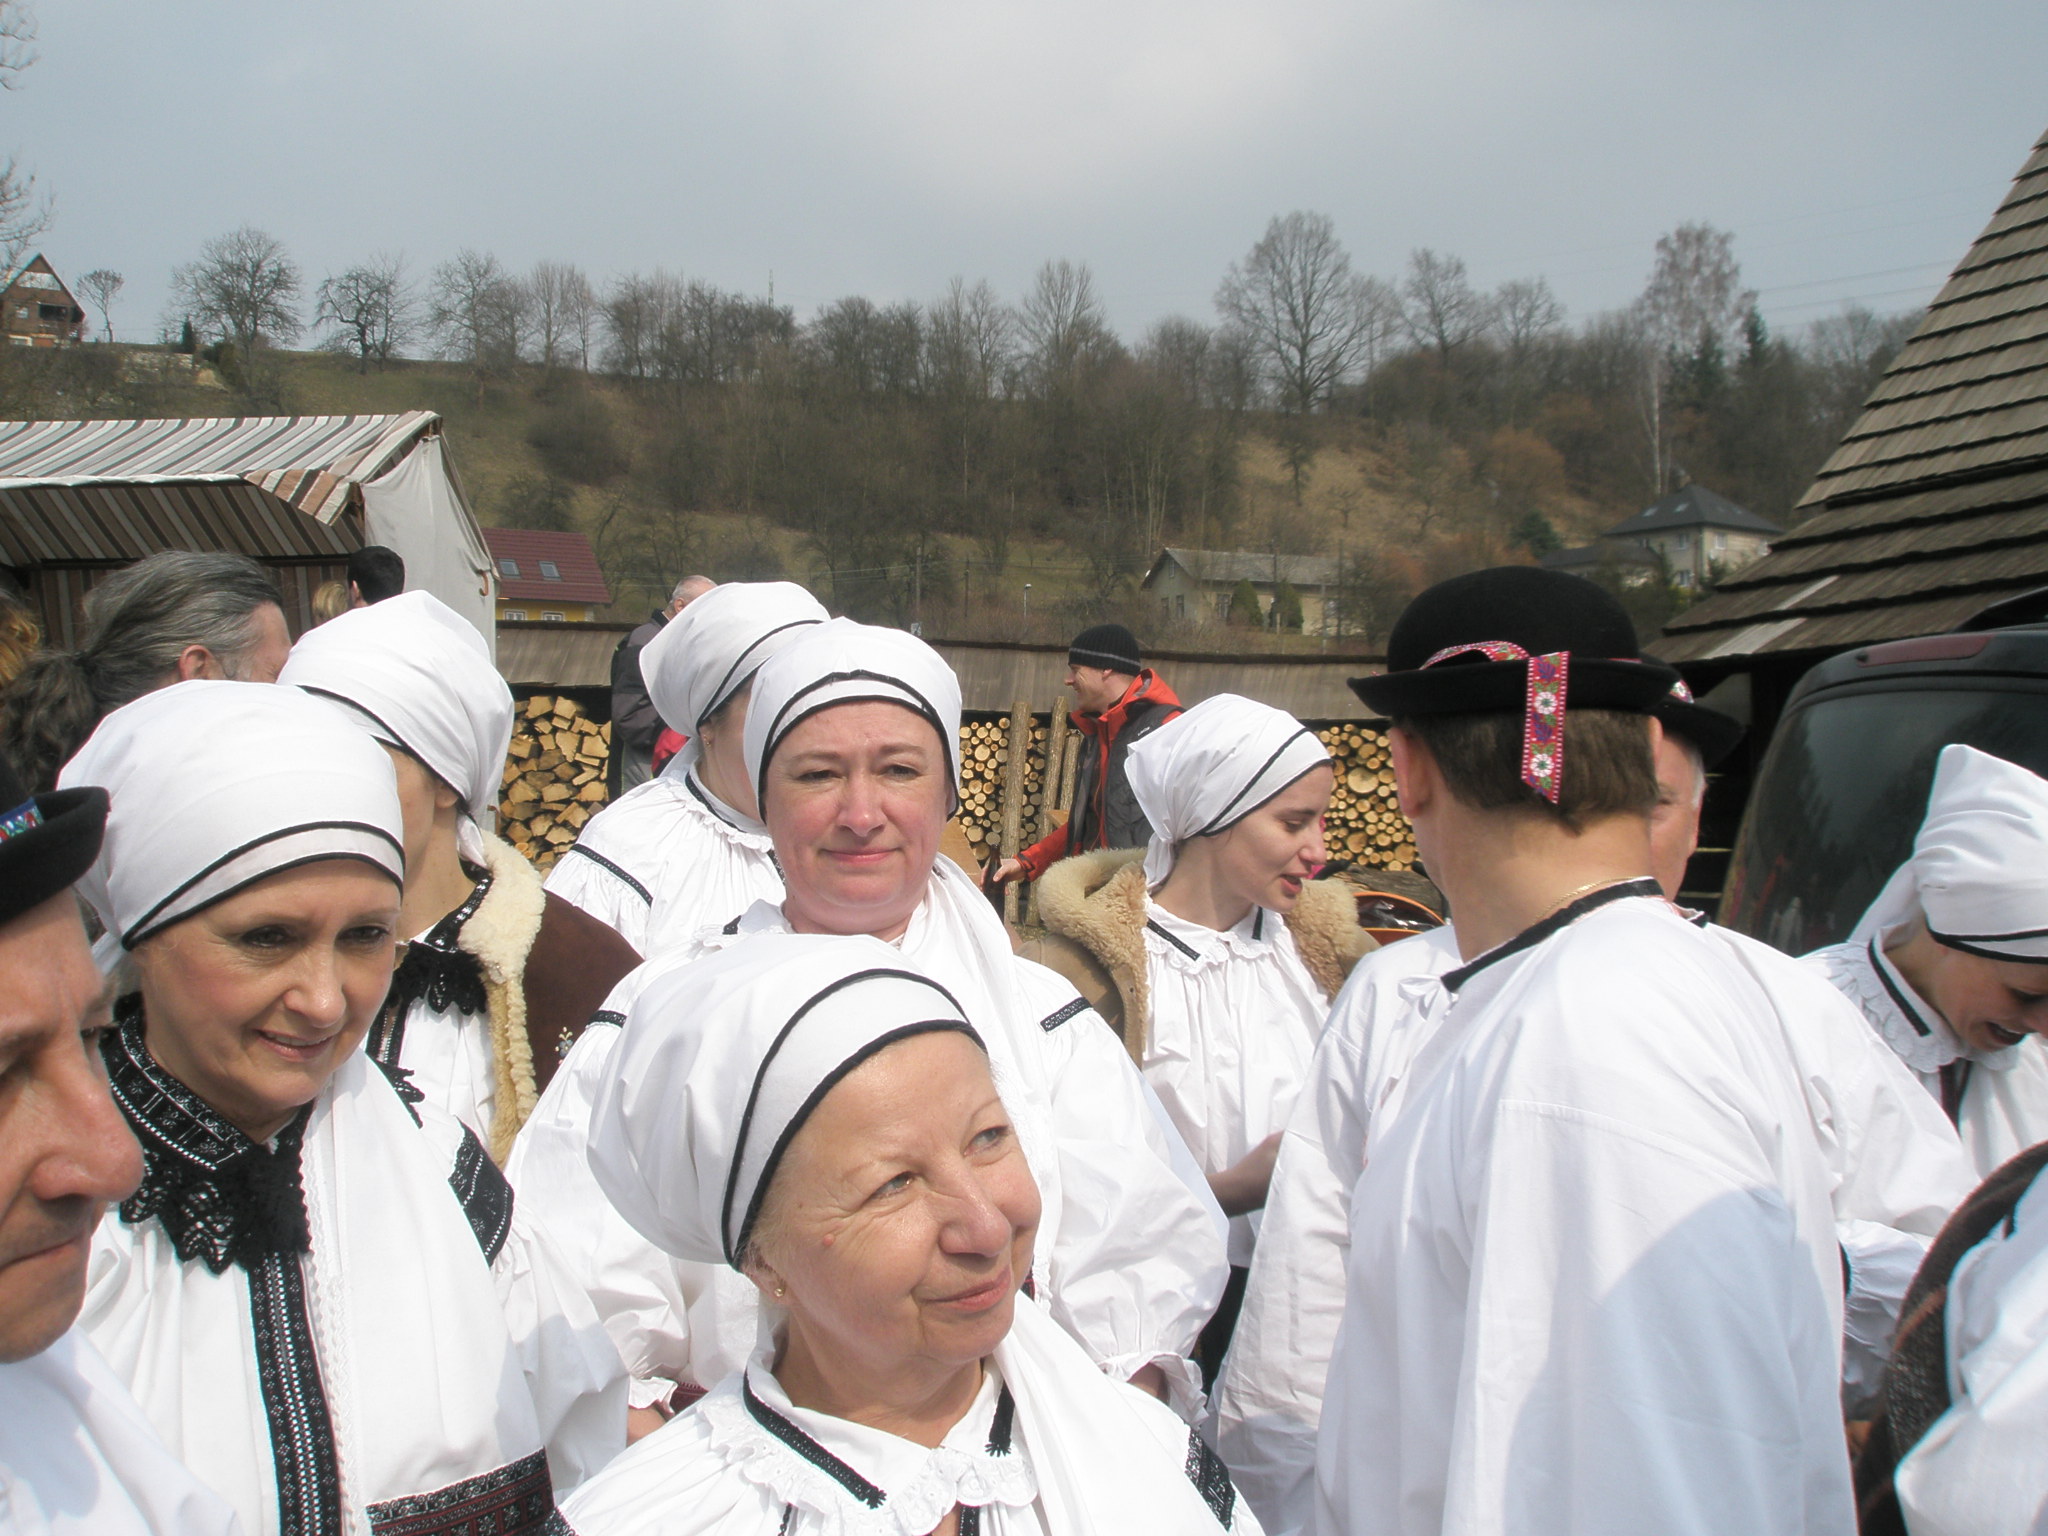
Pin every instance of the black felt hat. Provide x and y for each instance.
(1712, 734)
(1536, 611)
(1108, 646)
(46, 841)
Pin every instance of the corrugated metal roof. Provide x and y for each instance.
(1936, 502)
(312, 463)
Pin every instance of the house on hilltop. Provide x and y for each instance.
(546, 576)
(1193, 586)
(1935, 506)
(1693, 534)
(37, 310)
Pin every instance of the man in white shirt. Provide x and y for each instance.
(76, 1454)
(1593, 1281)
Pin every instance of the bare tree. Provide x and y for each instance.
(23, 216)
(1443, 310)
(1309, 318)
(478, 312)
(100, 286)
(635, 312)
(970, 341)
(1693, 307)
(563, 305)
(1063, 325)
(370, 310)
(244, 288)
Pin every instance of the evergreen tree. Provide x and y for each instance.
(1286, 608)
(1244, 606)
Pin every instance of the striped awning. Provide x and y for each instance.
(273, 487)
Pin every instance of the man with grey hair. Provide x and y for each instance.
(170, 617)
(636, 724)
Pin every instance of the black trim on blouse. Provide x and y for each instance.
(793, 1436)
(1557, 922)
(515, 1500)
(435, 970)
(606, 864)
(1176, 943)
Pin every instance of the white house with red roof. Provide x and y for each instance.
(546, 576)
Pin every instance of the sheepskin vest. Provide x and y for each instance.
(1093, 908)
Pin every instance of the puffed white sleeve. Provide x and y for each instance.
(595, 874)
(634, 1288)
(573, 1373)
(1139, 1262)
(1269, 1398)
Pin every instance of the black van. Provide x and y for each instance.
(1844, 782)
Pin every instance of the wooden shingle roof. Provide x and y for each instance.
(1936, 503)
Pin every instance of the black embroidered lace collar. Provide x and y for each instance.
(222, 1198)
(437, 969)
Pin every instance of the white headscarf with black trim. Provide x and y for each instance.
(1979, 870)
(712, 649)
(841, 662)
(1208, 768)
(216, 785)
(723, 1060)
(416, 674)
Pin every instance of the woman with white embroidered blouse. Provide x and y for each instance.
(1225, 953)
(851, 745)
(320, 1295)
(817, 1114)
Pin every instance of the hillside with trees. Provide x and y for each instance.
(924, 461)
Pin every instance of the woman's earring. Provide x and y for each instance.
(781, 1291)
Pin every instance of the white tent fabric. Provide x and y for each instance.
(414, 509)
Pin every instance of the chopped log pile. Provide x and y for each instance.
(1365, 824)
(1009, 798)
(554, 776)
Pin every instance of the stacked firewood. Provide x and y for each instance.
(1365, 824)
(984, 775)
(554, 776)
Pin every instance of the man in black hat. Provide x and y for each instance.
(76, 1454)
(1117, 700)
(1593, 1280)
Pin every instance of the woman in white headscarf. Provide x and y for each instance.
(687, 850)
(496, 974)
(1950, 964)
(818, 1116)
(320, 1295)
(1223, 951)
(851, 746)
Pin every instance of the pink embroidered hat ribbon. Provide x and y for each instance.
(1542, 709)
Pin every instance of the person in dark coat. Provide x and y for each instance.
(1118, 700)
(636, 724)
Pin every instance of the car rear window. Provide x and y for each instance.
(1842, 792)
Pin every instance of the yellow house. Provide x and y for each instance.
(546, 577)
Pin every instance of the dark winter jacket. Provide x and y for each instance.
(1106, 813)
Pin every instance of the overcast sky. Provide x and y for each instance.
(883, 146)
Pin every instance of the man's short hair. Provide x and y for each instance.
(377, 572)
(1608, 767)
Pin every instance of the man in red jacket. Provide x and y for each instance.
(1118, 699)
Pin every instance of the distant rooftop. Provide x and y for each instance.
(1935, 505)
(1590, 557)
(538, 565)
(1692, 506)
(1235, 565)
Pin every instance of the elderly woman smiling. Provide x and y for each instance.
(319, 1295)
(819, 1116)
(850, 744)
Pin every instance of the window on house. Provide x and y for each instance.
(549, 571)
(57, 312)
(1681, 541)
(22, 311)
(554, 617)
(516, 614)
(509, 569)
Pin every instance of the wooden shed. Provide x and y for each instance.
(80, 499)
(1934, 507)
